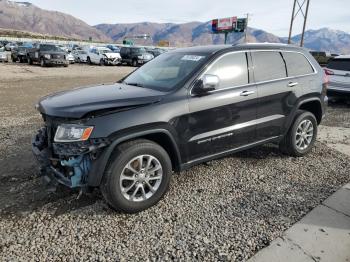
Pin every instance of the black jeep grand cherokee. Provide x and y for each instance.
(183, 108)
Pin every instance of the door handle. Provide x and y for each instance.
(291, 84)
(246, 93)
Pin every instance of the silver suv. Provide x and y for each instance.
(338, 72)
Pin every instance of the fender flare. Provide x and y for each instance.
(99, 166)
(296, 108)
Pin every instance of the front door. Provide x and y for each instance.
(223, 119)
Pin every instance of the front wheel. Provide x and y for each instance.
(137, 177)
(134, 63)
(301, 136)
(42, 62)
(88, 60)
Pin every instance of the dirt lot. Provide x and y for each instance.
(226, 210)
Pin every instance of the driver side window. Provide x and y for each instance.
(232, 70)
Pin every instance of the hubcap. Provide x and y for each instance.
(304, 134)
(141, 178)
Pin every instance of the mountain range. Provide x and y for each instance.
(28, 17)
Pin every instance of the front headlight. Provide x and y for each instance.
(73, 133)
(47, 56)
(140, 57)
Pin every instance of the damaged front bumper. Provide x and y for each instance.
(69, 163)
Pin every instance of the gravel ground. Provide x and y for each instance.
(227, 209)
(338, 114)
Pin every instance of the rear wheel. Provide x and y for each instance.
(301, 136)
(137, 177)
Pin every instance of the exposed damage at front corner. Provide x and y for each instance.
(67, 163)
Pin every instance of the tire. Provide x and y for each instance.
(42, 62)
(300, 145)
(30, 61)
(79, 60)
(134, 63)
(88, 60)
(111, 185)
(102, 62)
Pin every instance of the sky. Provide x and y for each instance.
(270, 15)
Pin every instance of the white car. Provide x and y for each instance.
(70, 58)
(338, 72)
(4, 55)
(80, 56)
(103, 56)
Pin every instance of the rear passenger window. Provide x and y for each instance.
(231, 69)
(268, 65)
(297, 64)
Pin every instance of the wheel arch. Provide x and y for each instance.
(162, 137)
(314, 106)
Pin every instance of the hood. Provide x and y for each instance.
(79, 102)
(112, 55)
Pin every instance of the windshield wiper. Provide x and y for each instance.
(133, 84)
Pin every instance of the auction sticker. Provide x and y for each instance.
(195, 58)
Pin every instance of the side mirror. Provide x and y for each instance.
(205, 84)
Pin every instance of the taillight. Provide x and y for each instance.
(325, 81)
(328, 72)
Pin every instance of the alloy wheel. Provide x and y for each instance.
(141, 178)
(304, 134)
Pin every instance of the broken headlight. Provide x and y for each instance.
(72, 133)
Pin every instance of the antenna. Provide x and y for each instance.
(303, 11)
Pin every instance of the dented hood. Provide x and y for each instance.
(77, 103)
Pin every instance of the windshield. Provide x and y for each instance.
(50, 48)
(166, 71)
(339, 64)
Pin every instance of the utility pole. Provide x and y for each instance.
(303, 13)
(246, 30)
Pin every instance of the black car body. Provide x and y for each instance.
(263, 92)
(47, 55)
(20, 53)
(135, 55)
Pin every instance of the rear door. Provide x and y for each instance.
(275, 93)
(224, 118)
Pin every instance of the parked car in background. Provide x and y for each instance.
(102, 56)
(183, 108)
(20, 53)
(321, 57)
(10, 46)
(338, 72)
(64, 48)
(72, 47)
(155, 51)
(4, 55)
(114, 48)
(135, 56)
(47, 54)
(80, 56)
(3, 43)
(70, 58)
